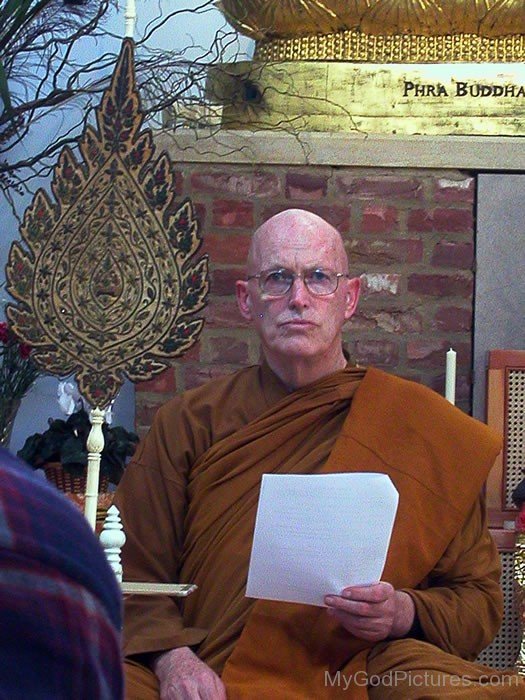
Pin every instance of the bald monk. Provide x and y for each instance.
(189, 500)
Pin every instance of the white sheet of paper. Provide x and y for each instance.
(318, 533)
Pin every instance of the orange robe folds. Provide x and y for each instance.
(189, 500)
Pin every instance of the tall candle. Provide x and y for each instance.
(450, 376)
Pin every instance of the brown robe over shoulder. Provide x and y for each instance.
(197, 477)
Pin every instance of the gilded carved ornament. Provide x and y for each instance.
(382, 31)
(262, 19)
(106, 278)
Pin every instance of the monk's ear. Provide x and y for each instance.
(353, 287)
(244, 300)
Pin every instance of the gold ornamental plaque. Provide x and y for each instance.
(106, 278)
(378, 66)
(338, 96)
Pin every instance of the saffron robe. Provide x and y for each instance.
(189, 498)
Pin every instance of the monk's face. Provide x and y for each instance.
(299, 325)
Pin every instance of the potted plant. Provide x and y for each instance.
(63, 444)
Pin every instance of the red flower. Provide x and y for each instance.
(520, 520)
(25, 350)
(18, 372)
(4, 332)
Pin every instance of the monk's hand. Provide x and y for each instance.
(183, 676)
(373, 612)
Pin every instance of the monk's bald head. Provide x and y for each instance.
(304, 229)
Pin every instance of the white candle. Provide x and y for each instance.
(450, 376)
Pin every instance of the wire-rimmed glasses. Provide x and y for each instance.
(278, 282)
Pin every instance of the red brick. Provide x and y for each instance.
(305, 186)
(385, 252)
(389, 320)
(447, 190)
(379, 219)
(178, 182)
(163, 383)
(464, 353)
(380, 283)
(223, 280)
(373, 187)
(411, 376)
(427, 353)
(452, 254)
(146, 408)
(338, 216)
(442, 220)
(463, 387)
(432, 353)
(201, 214)
(380, 353)
(453, 318)
(229, 213)
(257, 184)
(224, 314)
(441, 285)
(193, 354)
(229, 249)
(228, 350)
(197, 375)
(463, 390)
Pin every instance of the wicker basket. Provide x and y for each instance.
(74, 488)
(104, 501)
(68, 483)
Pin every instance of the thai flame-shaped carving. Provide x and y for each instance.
(106, 281)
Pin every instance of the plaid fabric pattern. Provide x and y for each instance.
(60, 604)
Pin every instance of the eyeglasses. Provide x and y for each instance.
(277, 283)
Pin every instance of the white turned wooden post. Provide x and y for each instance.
(95, 445)
(112, 539)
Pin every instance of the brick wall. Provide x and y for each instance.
(410, 233)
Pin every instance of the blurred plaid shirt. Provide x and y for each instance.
(60, 604)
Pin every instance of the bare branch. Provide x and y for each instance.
(49, 76)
